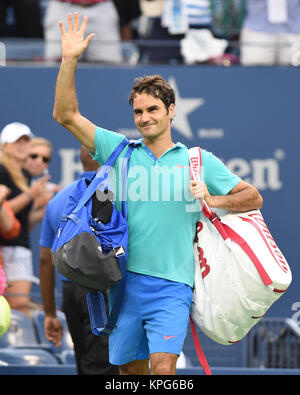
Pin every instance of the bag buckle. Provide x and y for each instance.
(119, 251)
(214, 217)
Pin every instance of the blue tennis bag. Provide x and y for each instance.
(90, 247)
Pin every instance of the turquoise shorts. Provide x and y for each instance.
(154, 318)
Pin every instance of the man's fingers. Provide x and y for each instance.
(89, 38)
(70, 23)
(83, 25)
(62, 29)
(76, 21)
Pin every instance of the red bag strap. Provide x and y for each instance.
(199, 351)
(195, 170)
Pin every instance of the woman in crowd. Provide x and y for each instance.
(17, 257)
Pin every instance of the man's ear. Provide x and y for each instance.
(172, 111)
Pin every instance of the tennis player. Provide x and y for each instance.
(160, 269)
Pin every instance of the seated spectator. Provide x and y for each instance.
(270, 33)
(103, 21)
(26, 18)
(17, 256)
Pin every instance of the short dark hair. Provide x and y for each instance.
(155, 86)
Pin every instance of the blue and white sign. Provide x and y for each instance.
(249, 117)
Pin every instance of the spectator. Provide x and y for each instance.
(38, 160)
(227, 20)
(36, 163)
(9, 228)
(39, 156)
(270, 32)
(17, 257)
(169, 21)
(129, 12)
(103, 20)
(91, 351)
(27, 19)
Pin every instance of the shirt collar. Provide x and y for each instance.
(140, 142)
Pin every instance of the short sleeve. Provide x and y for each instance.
(218, 178)
(105, 143)
(47, 232)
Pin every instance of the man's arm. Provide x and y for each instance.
(243, 197)
(66, 110)
(52, 326)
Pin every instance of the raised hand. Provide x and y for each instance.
(73, 41)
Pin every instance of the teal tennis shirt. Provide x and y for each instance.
(162, 213)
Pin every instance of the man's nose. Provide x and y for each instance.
(145, 117)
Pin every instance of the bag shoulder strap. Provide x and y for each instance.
(103, 173)
(100, 324)
(199, 351)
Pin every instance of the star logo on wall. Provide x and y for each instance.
(183, 108)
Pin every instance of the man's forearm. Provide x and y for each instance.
(47, 285)
(244, 200)
(66, 104)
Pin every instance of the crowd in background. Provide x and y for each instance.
(24, 160)
(222, 32)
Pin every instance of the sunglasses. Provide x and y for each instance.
(45, 159)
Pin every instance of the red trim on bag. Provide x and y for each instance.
(243, 244)
(237, 341)
(279, 290)
(257, 227)
(258, 316)
(199, 351)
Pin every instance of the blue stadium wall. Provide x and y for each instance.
(249, 117)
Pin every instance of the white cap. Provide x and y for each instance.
(13, 131)
(151, 8)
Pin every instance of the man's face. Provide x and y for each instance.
(151, 116)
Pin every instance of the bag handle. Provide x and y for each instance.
(195, 170)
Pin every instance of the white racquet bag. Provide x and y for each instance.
(239, 270)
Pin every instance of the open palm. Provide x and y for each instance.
(73, 41)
